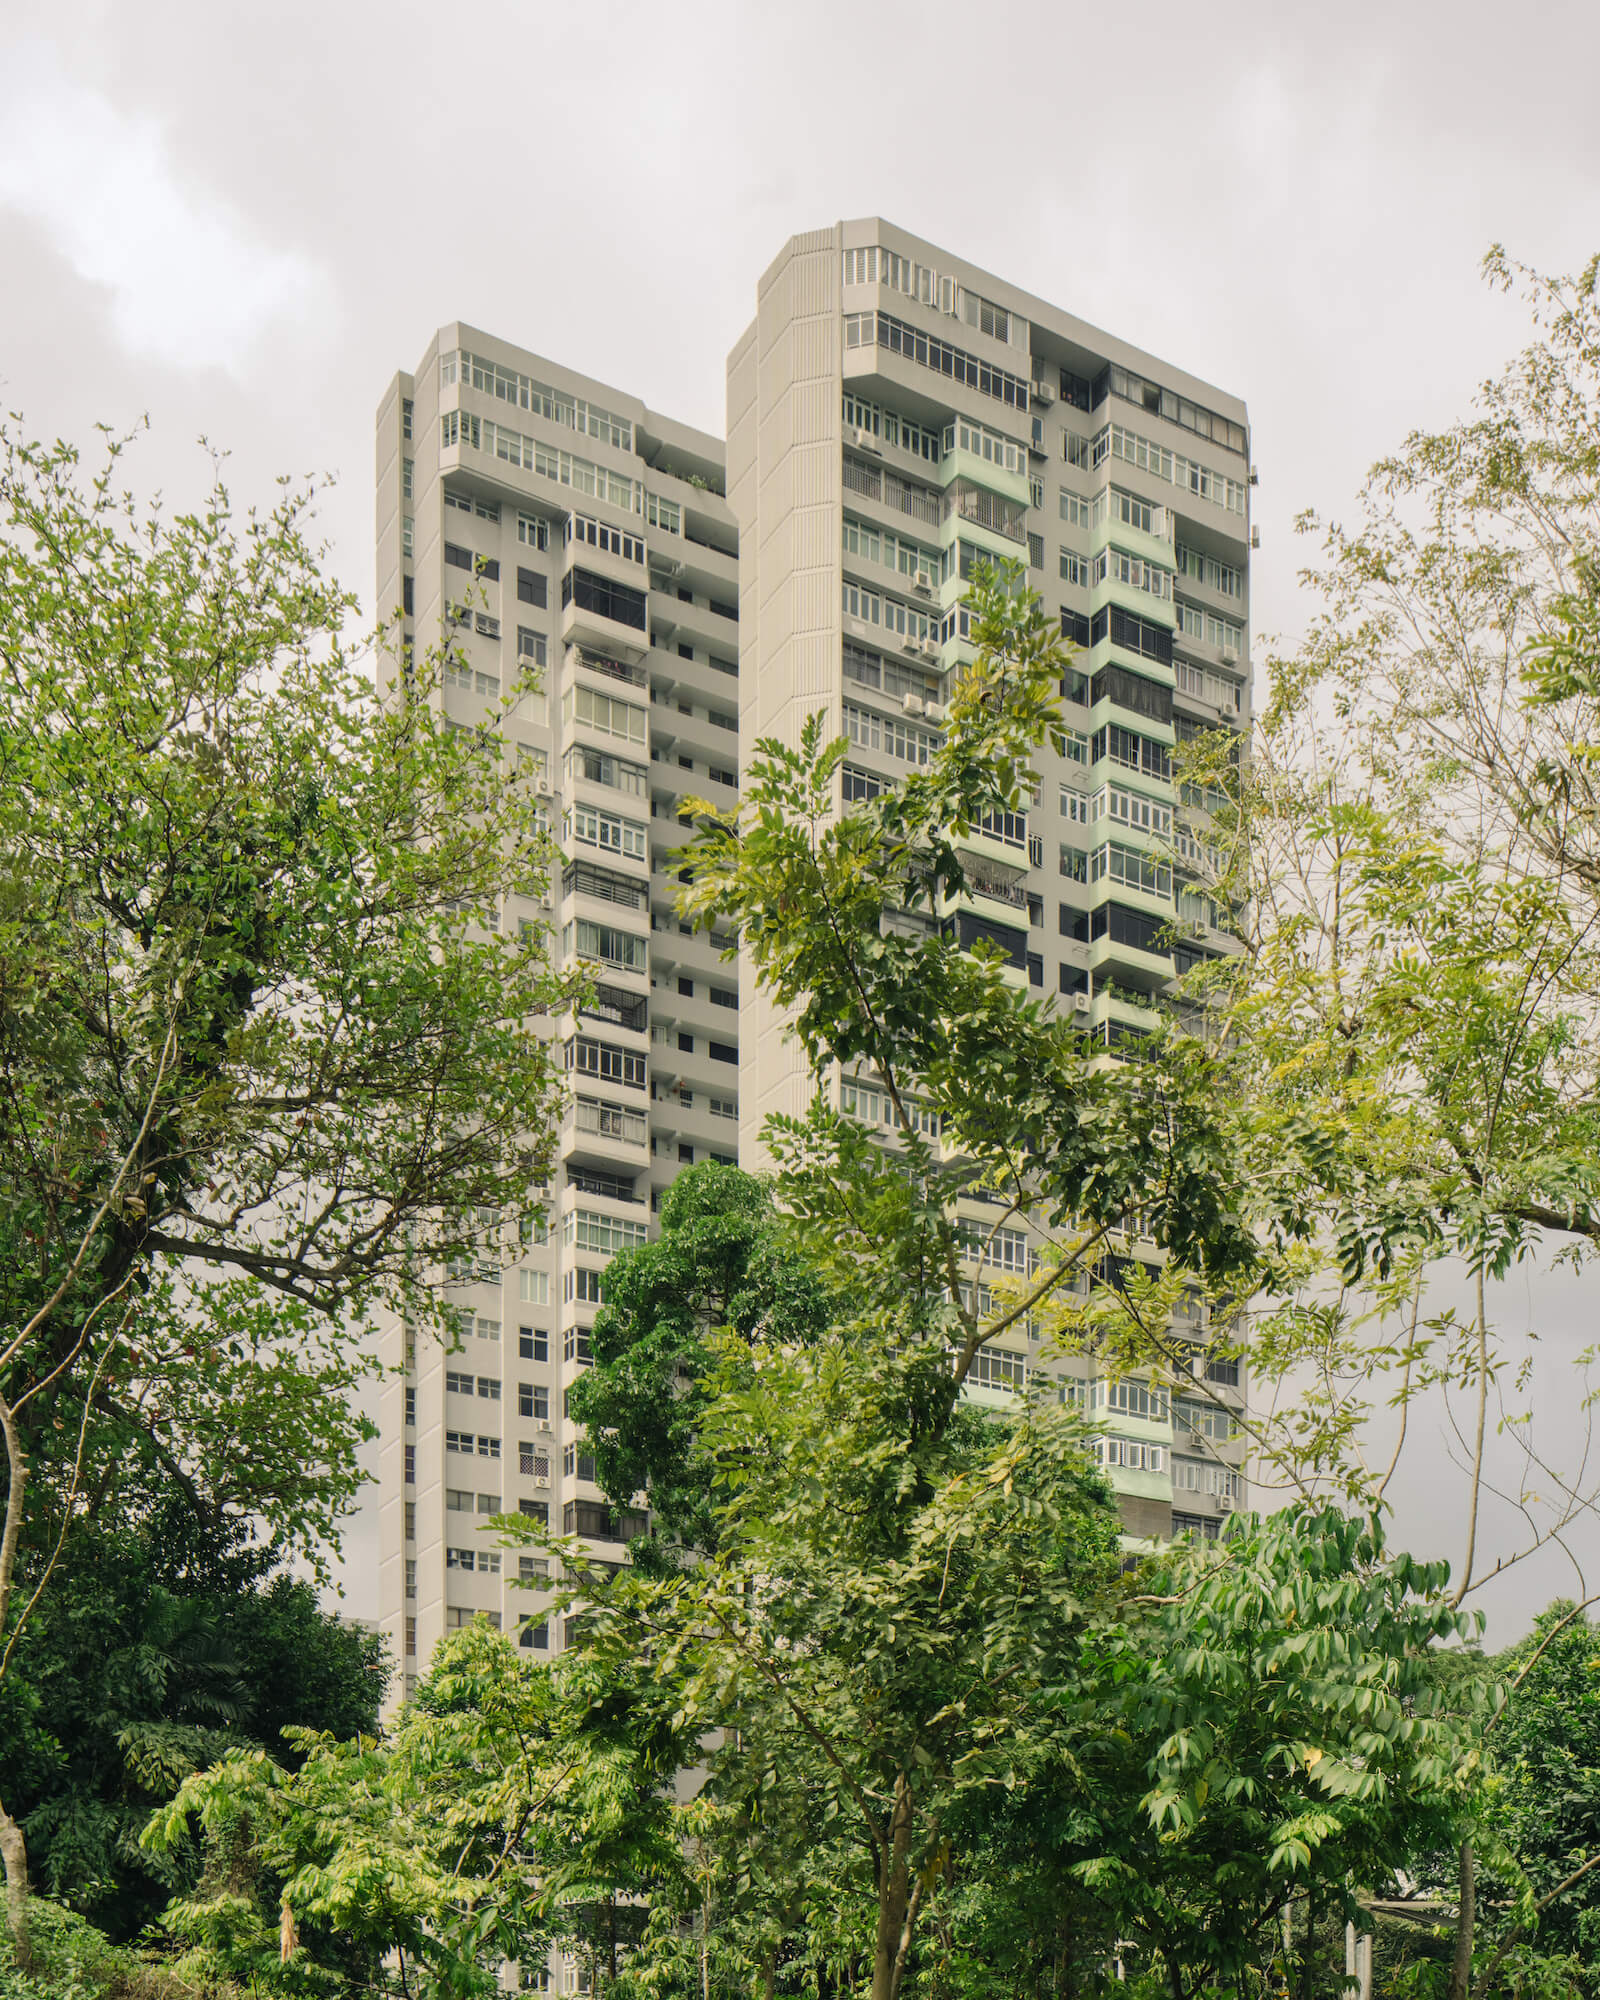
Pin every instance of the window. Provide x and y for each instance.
(467, 1445)
(1203, 1419)
(1132, 1454)
(1137, 930)
(1117, 566)
(1218, 576)
(598, 535)
(1036, 551)
(664, 514)
(485, 1561)
(606, 1061)
(411, 1464)
(593, 826)
(533, 1400)
(986, 316)
(981, 442)
(1191, 1475)
(903, 741)
(605, 713)
(599, 767)
(874, 1106)
(603, 598)
(602, 1235)
(532, 1344)
(896, 337)
(577, 1464)
(523, 392)
(1075, 510)
(411, 1576)
(1132, 1398)
(606, 944)
(1223, 633)
(1074, 866)
(724, 1107)
(1132, 809)
(1132, 868)
(1132, 751)
(407, 407)
(1132, 692)
(1177, 409)
(533, 1461)
(858, 784)
(1004, 1249)
(411, 1406)
(536, 1635)
(998, 1368)
(1115, 442)
(1074, 568)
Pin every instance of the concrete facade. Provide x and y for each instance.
(529, 514)
(896, 415)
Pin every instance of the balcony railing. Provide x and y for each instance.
(987, 510)
(918, 503)
(610, 1121)
(616, 670)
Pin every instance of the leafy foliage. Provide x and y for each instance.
(162, 1647)
(720, 1265)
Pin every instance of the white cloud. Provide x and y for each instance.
(188, 282)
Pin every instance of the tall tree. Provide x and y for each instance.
(265, 1055)
(721, 1264)
(164, 1643)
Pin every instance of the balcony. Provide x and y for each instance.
(983, 509)
(902, 496)
(603, 617)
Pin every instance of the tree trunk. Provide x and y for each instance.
(14, 1852)
(894, 1895)
(1308, 1954)
(1460, 1986)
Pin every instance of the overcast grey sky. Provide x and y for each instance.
(242, 221)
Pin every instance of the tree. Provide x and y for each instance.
(721, 1264)
(888, 1629)
(1541, 1810)
(513, 1804)
(1411, 1027)
(262, 1066)
(163, 1645)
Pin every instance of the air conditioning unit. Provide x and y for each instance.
(1041, 392)
(924, 582)
(547, 1429)
(539, 1479)
(930, 649)
(934, 710)
(1255, 538)
(1229, 657)
(865, 441)
(1081, 1003)
(911, 703)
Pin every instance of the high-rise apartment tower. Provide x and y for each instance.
(897, 416)
(526, 513)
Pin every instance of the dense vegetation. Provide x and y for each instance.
(884, 1706)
